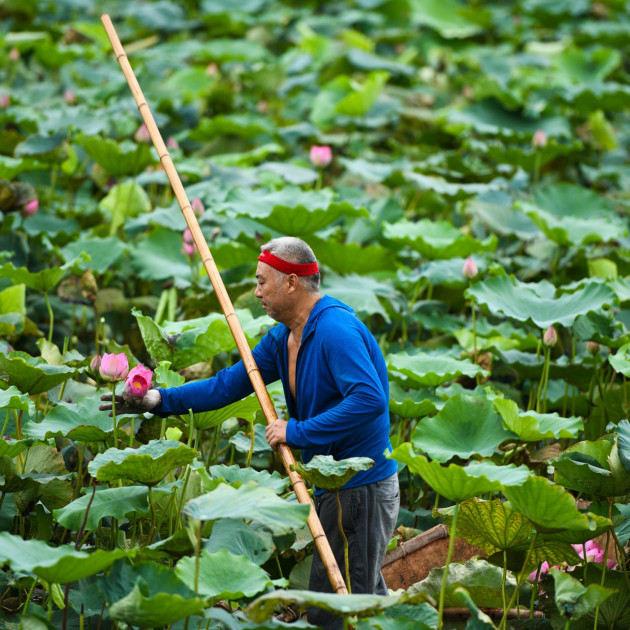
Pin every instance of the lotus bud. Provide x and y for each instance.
(114, 367)
(70, 97)
(592, 347)
(320, 157)
(30, 208)
(469, 270)
(138, 382)
(188, 244)
(14, 54)
(550, 338)
(212, 70)
(95, 363)
(539, 141)
(5, 101)
(197, 207)
(171, 143)
(142, 134)
(173, 433)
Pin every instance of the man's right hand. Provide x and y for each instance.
(127, 404)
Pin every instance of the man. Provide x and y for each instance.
(337, 393)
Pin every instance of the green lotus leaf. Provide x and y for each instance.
(242, 125)
(413, 404)
(456, 190)
(447, 272)
(104, 253)
(478, 619)
(78, 423)
(530, 426)
(122, 202)
(240, 539)
(12, 448)
(148, 595)
(362, 96)
(44, 280)
(114, 502)
(13, 398)
(615, 611)
(362, 294)
(621, 360)
(352, 257)
(56, 565)
(623, 443)
(117, 159)
(45, 148)
(549, 507)
(165, 377)
(465, 426)
(539, 302)
(290, 210)
(607, 96)
(325, 472)
(242, 441)
(448, 18)
(554, 552)
(492, 525)
(262, 609)
(247, 408)
(573, 599)
(436, 239)
(482, 579)
(32, 375)
(147, 464)
(431, 369)
(235, 474)
(223, 575)
(11, 167)
(458, 483)
(593, 467)
(248, 502)
(250, 158)
(365, 60)
(406, 617)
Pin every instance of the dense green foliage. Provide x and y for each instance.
(475, 216)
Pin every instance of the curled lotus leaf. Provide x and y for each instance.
(573, 599)
(148, 464)
(31, 374)
(325, 472)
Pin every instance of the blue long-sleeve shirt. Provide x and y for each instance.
(342, 392)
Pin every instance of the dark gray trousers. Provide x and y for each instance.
(369, 515)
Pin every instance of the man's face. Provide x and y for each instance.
(271, 290)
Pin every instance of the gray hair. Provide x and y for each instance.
(295, 250)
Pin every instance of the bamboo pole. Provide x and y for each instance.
(299, 487)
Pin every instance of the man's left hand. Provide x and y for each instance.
(276, 433)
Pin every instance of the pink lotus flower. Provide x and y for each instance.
(114, 367)
(5, 101)
(188, 245)
(30, 208)
(550, 338)
(469, 270)
(70, 97)
(142, 134)
(594, 553)
(592, 347)
(320, 157)
(138, 382)
(539, 140)
(197, 207)
(95, 363)
(14, 54)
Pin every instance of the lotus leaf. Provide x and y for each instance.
(32, 375)
(413, 404)
(573, 599)
(530, 426)
(44, 280)
(325, 472)
(240, 539)
(56, 565)
(118, 159)
(539, 301)
(247, 408)
(242, 441)
(436, 239)
(79, 425)
(448, 18)
(549, 507)
(147, 464)
(159, 257)
(352, 257)
(12, 448)
(249, 502)
(223, 575)
(478, 619)
(479, 577)
(458, 483)
(104, 253)
(621, 360)
(13, 398)
(465, 426)
(237, 475)
(148, 595)
(431, 369)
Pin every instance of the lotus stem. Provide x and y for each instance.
(197, 554)
(131, 432)
(346, 558)
(449, 555)
(535, 593)
(51, 316)
(503, 595)
(153, 515)
(28, 597)
(6, 423)
(536, 168)
(251, 446)
(113, 387)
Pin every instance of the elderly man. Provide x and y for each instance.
(335, 383)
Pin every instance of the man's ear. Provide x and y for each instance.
(292, 282)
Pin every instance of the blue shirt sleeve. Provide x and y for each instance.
(227, 386)
(363, 399)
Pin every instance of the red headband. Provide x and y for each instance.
(299, 269)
